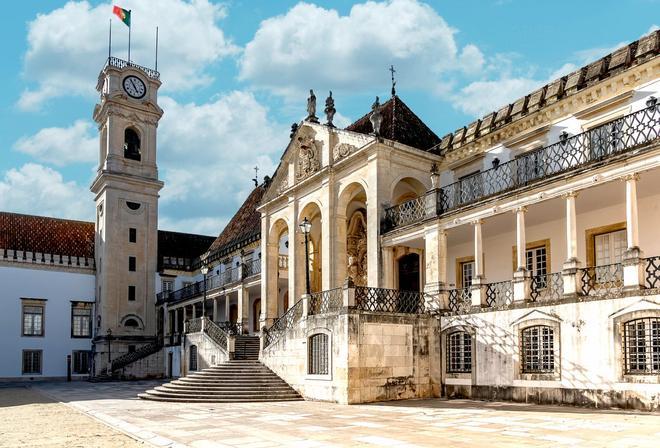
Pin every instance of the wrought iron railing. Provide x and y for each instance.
(547, 287)
(596, 145)
(384, 300)
(196, 289)
(194, 325)
(602, 281)
(283, 324)
(499, 295)
(120, 63)
(216, 333)
(652, 273)
(252, 268)
(459, 300)
(326, 301)
(130, 357)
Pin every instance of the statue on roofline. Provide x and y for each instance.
(311, 107)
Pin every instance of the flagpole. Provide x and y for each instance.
(110, 40)
(156, 68)
(130, 23)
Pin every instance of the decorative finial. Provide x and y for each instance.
(294, 128)
(256, 176)
(330, 110)
(311, 108)
(392, 71)
(376, 117)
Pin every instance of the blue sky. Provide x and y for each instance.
(235, 76)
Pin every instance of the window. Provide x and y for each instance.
(641, 346)
(193, 358)
(80, 360)
(318, 354)
(609, 247)
(168, 286)
(133, 205)
(132, 235)
(32, 362)
(131, 264)
(81, 320)
(131, 293)
(459, 352)
(33, 320)
(464, 272)
(132, 145)
(537, 348)
(132, 323)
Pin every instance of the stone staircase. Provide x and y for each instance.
(246, 347)
(235, 381)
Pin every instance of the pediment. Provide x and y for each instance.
(641, 305)
(536, 314)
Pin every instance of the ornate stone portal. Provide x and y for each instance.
(308, 154)
(356, 248)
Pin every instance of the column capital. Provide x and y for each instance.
(571, 194)
(476, 222)
(631, 176)
(520, 209)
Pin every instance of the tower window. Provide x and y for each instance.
(131, 264)
(132, 145)
(131, 323)
(133, 205)
(132, 235)
(131, 293)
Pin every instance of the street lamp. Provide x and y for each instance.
(305, 228)
(205, 271)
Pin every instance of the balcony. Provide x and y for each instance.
(213, 282)
(601, 145)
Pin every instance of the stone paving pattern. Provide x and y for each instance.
(415, 423)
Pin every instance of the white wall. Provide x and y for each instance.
(59, 288)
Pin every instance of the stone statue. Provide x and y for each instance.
(294, 128)
(376, 117)
(356, 249)
(330, 110)
(311, 107)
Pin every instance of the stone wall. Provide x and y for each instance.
(208, 352)
(374, 357)
(145, 368)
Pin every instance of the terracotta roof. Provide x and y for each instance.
(186, 246)
(46, 235)
(399, 124)
(244, 227)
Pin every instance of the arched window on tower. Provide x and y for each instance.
(132, 145)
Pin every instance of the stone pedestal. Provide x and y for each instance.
(522, 285)
(478, 290)
(571, 277)
(633, 269)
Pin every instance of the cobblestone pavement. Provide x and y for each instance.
(455, 423)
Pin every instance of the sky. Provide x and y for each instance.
(236, 75)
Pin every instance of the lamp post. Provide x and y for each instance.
(305, 228)
(109, 338)
(205, 271)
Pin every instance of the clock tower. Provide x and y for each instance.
(126, 194)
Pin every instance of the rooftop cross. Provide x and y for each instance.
(392, 71)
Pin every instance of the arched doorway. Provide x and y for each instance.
(256, 312)
(312, 212)
(409, 272)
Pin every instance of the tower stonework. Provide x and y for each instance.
(126, 195)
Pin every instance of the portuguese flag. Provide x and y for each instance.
(123, 14)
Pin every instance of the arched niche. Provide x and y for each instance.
(351, 241)
(406, 189)
(132, 144)
(313, 257)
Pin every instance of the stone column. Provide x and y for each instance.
(521, 278)
(572, 264)
(388, 267)
(435, 266)
(177, 321)
(215, 309)
(376, 194)
(243, 302)
(478, 280)
(269, 273)
(227, 304)
(633, 261)
(328, 235)
(296, 255)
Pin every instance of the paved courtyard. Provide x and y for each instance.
(456, 423)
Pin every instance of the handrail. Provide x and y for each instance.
(596, 145)
(131, 357)
(283, 323)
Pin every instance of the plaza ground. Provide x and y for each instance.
(32, 417)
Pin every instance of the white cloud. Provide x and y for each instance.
(77, 143)
(203, 225)
(36, 189)
(68, 46)
(312, 46)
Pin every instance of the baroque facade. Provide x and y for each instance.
(515, 258)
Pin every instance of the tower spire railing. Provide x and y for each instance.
(120, 63)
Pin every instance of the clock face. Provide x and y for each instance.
(134, 86)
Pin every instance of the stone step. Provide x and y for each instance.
(198, 395)
(247, 387)
(205, 392)
(147, 396)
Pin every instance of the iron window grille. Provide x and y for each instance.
(641, 346)
(459, 352)
(32, 362)
(318, 363)
(537, 347)
(33, 320)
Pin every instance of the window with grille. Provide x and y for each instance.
(81, 320)
(32, 362)
(193, 358)
(467, 272)
(538, 350)
(33, 320)
(80, 360)
(318, 354)
(459, 352)
(641, 346)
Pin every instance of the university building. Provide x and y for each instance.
(515, 258)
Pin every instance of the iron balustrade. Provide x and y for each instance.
(597, 145)
(231, 328)
(130, 357)
(283, 323)
(459, 300)
(384, 300)
(194, 325)
(652, 273)
(602, 281)
(216, 333)
(499, 295)
(326, 301)
(547, 287)
(231, 275)
(252, 268)
(120, 63)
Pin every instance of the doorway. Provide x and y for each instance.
(409, 273)
(256, 315)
